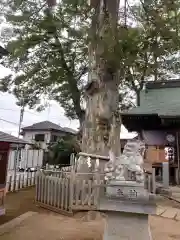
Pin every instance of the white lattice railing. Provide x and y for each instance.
(22, 180)
(94, 172)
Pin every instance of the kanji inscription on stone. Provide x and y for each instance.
(120, 192)
(132, 193)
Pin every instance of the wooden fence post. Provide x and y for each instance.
(19, 182)
(31, 179)
(34, 178)
(23, 181)
(27, 176)
(71, 188)
(154, 180)
(37, 189)
(10, 180)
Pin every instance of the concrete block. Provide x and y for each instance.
(170, 213)
(126, 226)
(165, 174)
(160, 210)
(177, 217)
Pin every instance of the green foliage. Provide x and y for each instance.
(49, 49)
(149, 49)
(60, 152)
(49, 52)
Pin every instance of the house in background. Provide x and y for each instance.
(7, 141)
(44, 133)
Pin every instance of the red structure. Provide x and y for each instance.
(6, 141)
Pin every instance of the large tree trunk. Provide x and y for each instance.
(101, 131)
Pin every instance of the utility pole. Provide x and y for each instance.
(16, 157)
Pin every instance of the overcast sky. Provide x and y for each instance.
(9, 114)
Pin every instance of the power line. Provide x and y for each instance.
(26, 111)
(9, 109)
(17, 110)
(4, 120)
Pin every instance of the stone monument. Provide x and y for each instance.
(126, 202)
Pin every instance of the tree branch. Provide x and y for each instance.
(74, 91)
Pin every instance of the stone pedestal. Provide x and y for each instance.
(126, 226)
(127, 190)
(165, 166)
(127, 206)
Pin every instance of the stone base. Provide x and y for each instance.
(126, 226)
(127, 206)
(127, 190)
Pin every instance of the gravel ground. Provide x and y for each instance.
(18, 203)
(23, 201)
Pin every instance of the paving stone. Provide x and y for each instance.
(178, 215)
(170, 213)
(160, 210)
(126, 226)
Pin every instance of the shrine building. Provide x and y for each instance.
(157, 120)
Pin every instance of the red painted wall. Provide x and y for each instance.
(4, 151)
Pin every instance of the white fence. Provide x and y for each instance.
(29, 158)
(66, 194)
(21, 181)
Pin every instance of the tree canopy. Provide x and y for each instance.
(49, 49)
(48, 54)
(155, 42)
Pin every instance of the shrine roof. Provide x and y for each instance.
(161, 110)
(161, 98)
(159, 106)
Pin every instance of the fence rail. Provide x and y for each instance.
(150, 178)
(65, 195)
(65, 192)
(53, 193)
(21, 181)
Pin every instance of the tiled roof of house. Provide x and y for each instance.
(70, 130)
(5, 137)
(47, 125)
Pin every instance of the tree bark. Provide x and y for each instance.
(101, 131)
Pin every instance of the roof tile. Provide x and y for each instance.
(163, 101)
(47, 125)
(5, 137)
